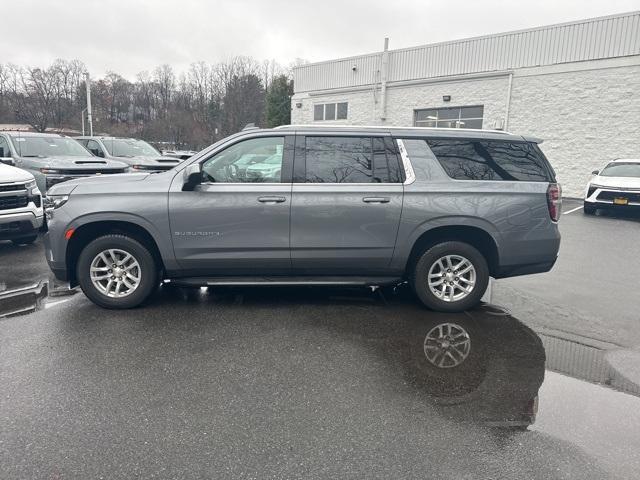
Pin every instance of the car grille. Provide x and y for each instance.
(12, 187)
(631, 196)
(7, 203)
(10, 227)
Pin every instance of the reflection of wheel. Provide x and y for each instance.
(449, 356)
(25, 240)
(116, 271)
(589, 209)
(447, 345)
(451, 277)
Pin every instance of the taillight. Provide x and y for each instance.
(554, 200)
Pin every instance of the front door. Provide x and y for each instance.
(236, 222)
(346, 205)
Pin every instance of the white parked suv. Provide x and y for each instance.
(21, 209)
(616, 186)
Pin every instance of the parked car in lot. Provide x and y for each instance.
(53, 158)
(138, 154)
(21, 213)
(617, 185)
(442, 209)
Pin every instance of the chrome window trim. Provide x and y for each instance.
(410, 175)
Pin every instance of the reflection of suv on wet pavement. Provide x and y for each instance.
(441, 209)
(138, 154)
(21, 213)
(53, 158)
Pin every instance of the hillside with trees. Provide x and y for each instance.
(191, 109)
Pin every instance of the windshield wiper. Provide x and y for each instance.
(33, 156)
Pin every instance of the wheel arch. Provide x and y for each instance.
(87, 232)
(474, 235)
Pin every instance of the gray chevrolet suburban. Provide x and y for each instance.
(441, 209)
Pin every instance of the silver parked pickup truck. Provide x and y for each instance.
(441, 209)
(53, 158)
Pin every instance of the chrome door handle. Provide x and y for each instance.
(376, 199)
(271, 199)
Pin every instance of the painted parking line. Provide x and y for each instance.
(572, 210)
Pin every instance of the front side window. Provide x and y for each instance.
(351, 160)
(94, 148)
(491, 160)
(42, 147)
(330, 111)
(257, 160)
(450, 117)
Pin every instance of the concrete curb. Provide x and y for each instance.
(625, 365)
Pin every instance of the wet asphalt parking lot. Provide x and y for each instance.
(322, 383)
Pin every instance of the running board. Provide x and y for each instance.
(280, 281)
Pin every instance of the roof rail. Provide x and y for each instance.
(250, 126)
(393, 128)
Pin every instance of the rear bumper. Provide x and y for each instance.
(516, 270)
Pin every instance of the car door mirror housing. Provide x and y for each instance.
(192, 176)
(7, 161)
(595, 172)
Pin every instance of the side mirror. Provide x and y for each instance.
(192, 176)
(8, 161)
(595, 172)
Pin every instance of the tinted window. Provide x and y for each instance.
(491, 160)
(256, 160)
(386, 168)
(339, 160)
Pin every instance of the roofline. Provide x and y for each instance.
(384, 127)
(469, 39)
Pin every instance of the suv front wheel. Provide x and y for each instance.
(116, 271)
(450, 277)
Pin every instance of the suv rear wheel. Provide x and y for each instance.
(116, 271)
(451, 277)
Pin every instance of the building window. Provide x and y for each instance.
(330, 111)
(450, 117)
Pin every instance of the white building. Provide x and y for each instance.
(576, 85)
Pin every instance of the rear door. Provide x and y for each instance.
(346, 204)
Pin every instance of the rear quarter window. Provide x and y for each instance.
(470, 159)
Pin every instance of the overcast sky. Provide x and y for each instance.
(128, 36)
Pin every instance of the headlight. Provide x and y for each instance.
(32, 188)
(51, 202)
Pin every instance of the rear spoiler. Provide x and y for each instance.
(533, 139)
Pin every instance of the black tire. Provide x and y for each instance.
(589, 209)
(149, 272)
(25, 240)
(431, 256)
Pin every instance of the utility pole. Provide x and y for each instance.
(88, 83)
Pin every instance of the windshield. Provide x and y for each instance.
(129, 147)
(49, 147)
(621, 169)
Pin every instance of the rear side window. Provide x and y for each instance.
(350, 160)
(491, 160)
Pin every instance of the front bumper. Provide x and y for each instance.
(20, 224)
(607, 197)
